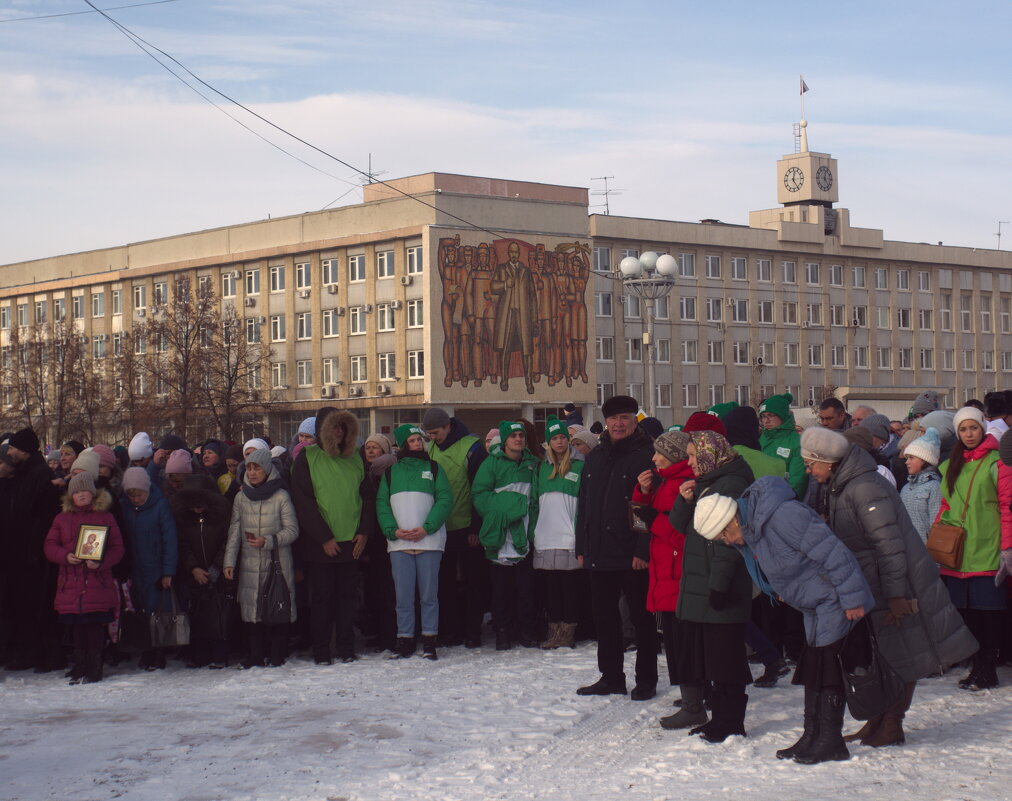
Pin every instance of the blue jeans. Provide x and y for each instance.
(421, 570)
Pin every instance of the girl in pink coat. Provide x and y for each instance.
(85, 590)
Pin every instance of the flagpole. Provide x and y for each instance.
(802, 87)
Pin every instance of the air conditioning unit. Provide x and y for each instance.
(326, 391)
(806, 325)
(719, 326)
(249, 303)
(407, 280)
(367, 308)
(354, 392)
(261, 320)
(331, 289)
(395, 304)
(731, 301)
(758, 361)
(303, 293)
(141, 312)
(382, 389)
(104, 337)
(856, 323)
(236, 275)
(340, 310)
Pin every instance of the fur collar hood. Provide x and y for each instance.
(327, 433)
(102, 503)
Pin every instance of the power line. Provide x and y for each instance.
(75, 13)
(146, 47)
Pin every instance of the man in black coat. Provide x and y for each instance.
(617, 555)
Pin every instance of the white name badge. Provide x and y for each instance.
(572, 477)
(427, 474)
(784, 452)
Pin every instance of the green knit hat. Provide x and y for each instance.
(401, 433)
(675, 427)
(721, 409)
(507, 427)
(780, 405)
(553, 426)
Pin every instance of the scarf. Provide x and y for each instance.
(712, 451)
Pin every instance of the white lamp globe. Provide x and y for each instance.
(648, 260)
(667, 264)
(630, 266)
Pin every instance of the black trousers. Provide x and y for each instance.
(463, 583)
(561, 594)
(269, 642)
(332, 601)
(513, 598)
(607, 586)
(380, 609)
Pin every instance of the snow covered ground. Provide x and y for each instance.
(474, 725)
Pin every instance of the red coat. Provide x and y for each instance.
(665, 542)
(80, 589)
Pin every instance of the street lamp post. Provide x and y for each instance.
(648, 277)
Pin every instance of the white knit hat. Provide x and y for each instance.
(140, 446)
(713, 513)
(968, 413)
(926, 447)
(256, 444)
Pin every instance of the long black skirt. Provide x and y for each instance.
(819, 666)
(710, 652)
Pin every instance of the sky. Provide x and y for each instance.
(688, 105)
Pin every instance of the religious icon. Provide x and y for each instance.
(91, 542)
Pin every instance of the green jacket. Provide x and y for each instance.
(501, 493)
(554, 507)
(414, 491)
(785, 443)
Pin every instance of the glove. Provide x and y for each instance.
(718, 599)
(900, 608)
(1004, 567)
(646, 513)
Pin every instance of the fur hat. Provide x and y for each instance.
(968, 413)
(435, 418)
(554, 426)
(401, 434)
(587, 438)
(673, 446)
(88, 461)
(924, 403)
(140, 447)
(619, 404)
(179, 461)
(704, 421)
(878, 425)
(82, 482)
(136, 478)
(780, 405)
(713, 513)
(25, 440)
(927, 447)
(382, 440)
(823, 445)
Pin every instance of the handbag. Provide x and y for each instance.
(210, 612)
(945, 541)
(169, 629)
(871, 689)
(275, 602)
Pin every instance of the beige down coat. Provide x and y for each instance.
(273, 519)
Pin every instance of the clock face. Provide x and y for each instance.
(824, 178)
(794, 179)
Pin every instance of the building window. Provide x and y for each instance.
(812, 273)
(140, 345)
(415, 316)
(304, 325)
(330, 322)
(278, 328)
(661, 311)
(40, 310)
(626, 252)
(945, 311)
(742, 392)
(159, 293)
(663, 397)
(279, 375)
(883, 315)
(328, 272)
(414, 257)
(602, 259)
(985, 314)
(968, 360)
(605, 349)
(790, 272)
(836, 275)
(690, 351)
(927, 359)
(903, 318)
(416, 364)
(602, 301)
(303, 275)
(838, 315)
(356, 268)
(97, 305)
(690, 396)
(791, 354)
(948, 359)
(140, 385)
(253, 381)
(814, 311)
(98, 346)
(605, 391)
(764, 270)
(765, 308)
(252, 330)
(117, 344)
(966, 312)
(1006, 361)
(881, 278)
(861, 356)
(687, 308)
(387, 366)
(815, 356)
(228, 284)
(59, 312)
(304, 373)
(634, 349)
(328, 372)
(883, 358)
(740, 352)
(790, 312)
(767, 352)
(358, 369)
(716, 394)
(357, 314)
(906, 358)
(76, 310)
(162, 342)
(631, 304)
(278, 278)
(384, 317)
(252, 282)
(987, 361)
(903, 279)
(1005, 315)
(714, 310)
(715, 351)
(838, 356)
(739, 268)
(924, 319)
(385, 264)
(859, 273)
(924, 281)
(713, 266)
(663, 351)
(739, 311)
(687, 265)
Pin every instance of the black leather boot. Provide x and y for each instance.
(811, 729)
(828, 745)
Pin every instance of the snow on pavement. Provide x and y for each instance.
(474, 725)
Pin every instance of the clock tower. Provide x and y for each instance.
(807, 177)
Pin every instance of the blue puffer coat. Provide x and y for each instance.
(151, 537)
(803, 559)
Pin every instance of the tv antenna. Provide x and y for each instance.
(606, 193)
(1000, 224)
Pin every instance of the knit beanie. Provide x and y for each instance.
(136, 478)
(382, 440)
(507, 427)
(780, 405)
(652, 427)
(234, 453)
(179, 461)
(435, 418)
(878, 425)
(862, 437)
(492, 432)
(1004, 448)
(553, 426)
(88, 462)
(704, 421)
(924, 403)
(256, 444)
(52, 456)
(673, 446)
(172, 442)
(214, 446)
(25, 440)
(713, 513)
(742, 426)
(907, 438)
(74, 445)
(676, 427)
(140, 447)
(619, 404)
(106, 457)
(968, 413)
(82, 482)
(823, 445)
(927, 447)
(721, 409)
(401, 434)
(278, 451)
(587, 438)
(261, 457)
(308, 426)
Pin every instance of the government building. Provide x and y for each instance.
(497, 298)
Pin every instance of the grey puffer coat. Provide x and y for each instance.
(866, 513)
(273, 519)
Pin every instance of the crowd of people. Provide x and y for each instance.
(737, 532)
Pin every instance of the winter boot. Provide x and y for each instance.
(502, 640)
(867, 730)
(692, 712)
(774, 670)
(985, 673)
(94, 668)
(429, 647)
(828, 745)
(603, 687)
(811, 729)
(552, 641)
(729, 707)
(405, 648)
(891, 730)
(567, 635)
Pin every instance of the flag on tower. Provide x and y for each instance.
(804, 86)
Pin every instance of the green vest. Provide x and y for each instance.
(762, 464)
(336, 486)
(983, 517)
(454, 461)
